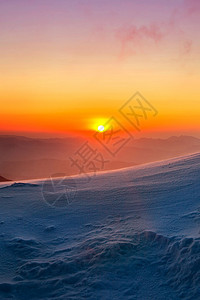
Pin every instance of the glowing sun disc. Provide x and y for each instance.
(100, 128)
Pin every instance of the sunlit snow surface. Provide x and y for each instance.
(128, 234)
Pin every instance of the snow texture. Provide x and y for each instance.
(128, 234)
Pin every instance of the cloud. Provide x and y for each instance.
(192, 7)
(136, 39)
(187, 47)
(138, 36)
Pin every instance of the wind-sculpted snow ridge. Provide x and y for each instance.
(20, 185)
(129, 234)
(106, 265)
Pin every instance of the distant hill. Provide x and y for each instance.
(2, 179)
(29, 158)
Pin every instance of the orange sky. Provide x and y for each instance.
(66, 68)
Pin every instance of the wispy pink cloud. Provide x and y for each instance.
(138, 36)
(192, 7)
(135, 39)
(187, 47)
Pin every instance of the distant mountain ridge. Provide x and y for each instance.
(31, 158)
(2, 179)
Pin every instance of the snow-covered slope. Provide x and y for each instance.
(127, 234)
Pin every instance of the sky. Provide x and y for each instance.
(68, 66)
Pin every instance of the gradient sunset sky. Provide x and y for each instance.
(66, 66)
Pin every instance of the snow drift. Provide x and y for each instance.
(127, 234)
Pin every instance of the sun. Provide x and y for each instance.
(101, 128)
(98, 124)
